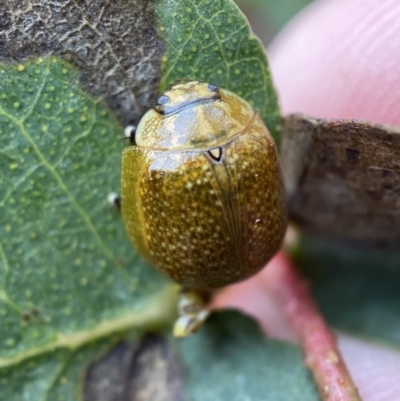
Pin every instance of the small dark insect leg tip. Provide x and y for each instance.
(114, 201)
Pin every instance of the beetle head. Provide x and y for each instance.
(186, 93)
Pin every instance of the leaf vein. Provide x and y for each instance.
(63, 186)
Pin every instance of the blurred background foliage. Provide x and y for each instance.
(267, 17)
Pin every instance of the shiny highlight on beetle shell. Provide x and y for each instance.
(206, 212)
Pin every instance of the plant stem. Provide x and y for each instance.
(318, 342)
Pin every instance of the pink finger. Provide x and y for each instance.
(340, 59)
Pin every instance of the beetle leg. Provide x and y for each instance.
(192, 311)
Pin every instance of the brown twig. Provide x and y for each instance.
(317, 340)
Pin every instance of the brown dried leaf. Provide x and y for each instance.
(343, 177)
(148, 370)
(113, 42)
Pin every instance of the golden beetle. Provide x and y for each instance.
(202, 193)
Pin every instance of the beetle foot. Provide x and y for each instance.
(114, 200)
(192, 312)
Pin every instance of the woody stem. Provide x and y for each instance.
(322, 355)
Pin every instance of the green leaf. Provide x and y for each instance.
(68, 274)
(230, 359)
(53, 376)
(357, 287)
(211, 40)
(273, 14)
(114, 43)
(69, 278)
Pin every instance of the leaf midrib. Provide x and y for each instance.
(159, 310)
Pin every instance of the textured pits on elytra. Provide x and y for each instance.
(205, 223)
